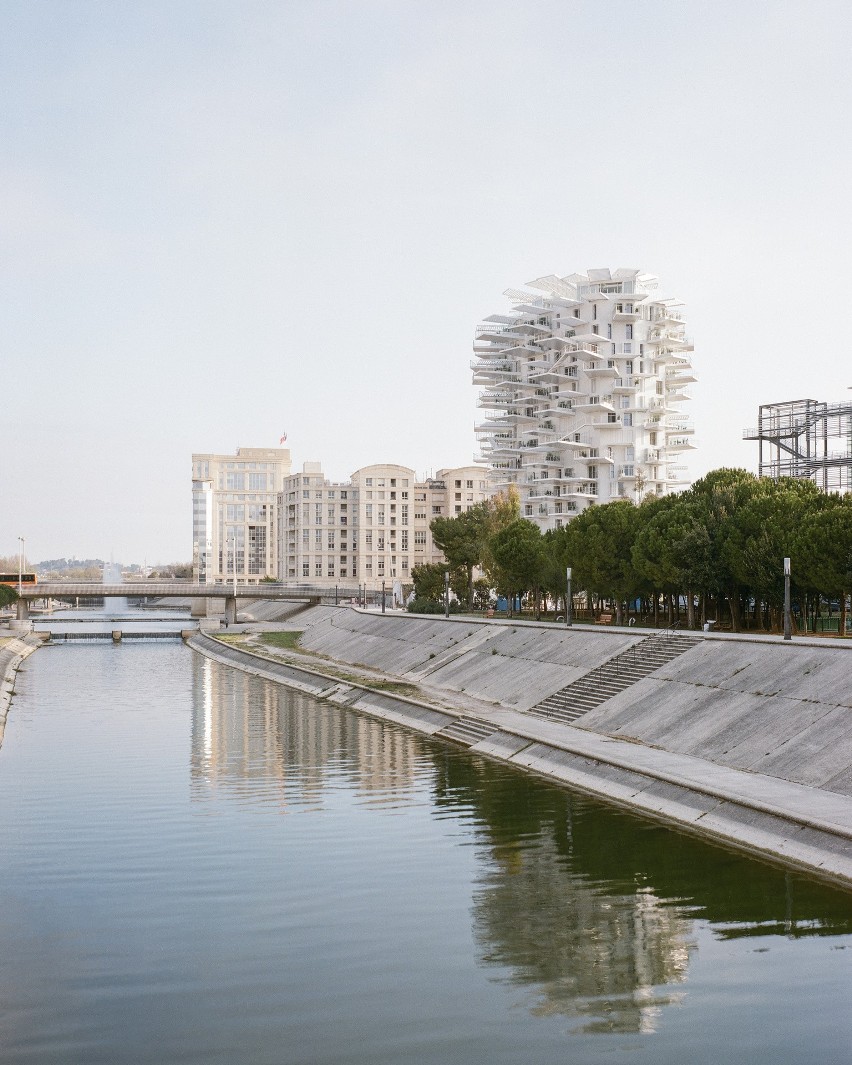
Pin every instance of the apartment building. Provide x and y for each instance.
(370, 529)
(234, 514)
(582, 384)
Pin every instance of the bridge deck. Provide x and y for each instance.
(179, 590)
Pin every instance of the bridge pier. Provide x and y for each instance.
(231, 610)
(199, 608)
(23, 609)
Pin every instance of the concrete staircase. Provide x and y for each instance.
(614, 676)
(466, 731)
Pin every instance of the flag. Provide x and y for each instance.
(283, 438)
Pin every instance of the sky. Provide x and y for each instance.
(225, 221)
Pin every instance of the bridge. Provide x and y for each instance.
(180, 590)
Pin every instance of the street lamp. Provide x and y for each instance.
(788, 633)
(21, 564)
(568, 600)
(447, 594)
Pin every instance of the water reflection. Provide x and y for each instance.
(255, 740)
(591, 912)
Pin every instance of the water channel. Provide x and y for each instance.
(199, 866)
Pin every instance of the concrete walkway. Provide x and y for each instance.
(802, 827)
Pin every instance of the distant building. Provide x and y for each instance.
(582, 386)
(807, 439)
(234, 518)
(369, 529)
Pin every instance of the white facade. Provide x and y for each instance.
(234, 515)
(370, 529)
(582, 386)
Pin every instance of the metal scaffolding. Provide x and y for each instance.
(807, 439)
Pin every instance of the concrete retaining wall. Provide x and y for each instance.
(783, 709)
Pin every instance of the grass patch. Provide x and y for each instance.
(288, 641)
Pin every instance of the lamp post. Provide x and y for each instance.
(21, 564)
(383, 597)
(234, 541)
(788, 633)
(568, 600)
(447, 594)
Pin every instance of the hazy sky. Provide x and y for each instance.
(223, 221)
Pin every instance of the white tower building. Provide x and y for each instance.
(582, 386)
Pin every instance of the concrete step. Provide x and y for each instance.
(614, 676)
(465, 731)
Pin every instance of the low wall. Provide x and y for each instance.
(12, 652)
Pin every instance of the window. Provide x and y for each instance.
(306, 494)
(419, 536)
(318, 568)
(468, 484)
(344, 494)
(331, 539)
(369, 482)
(628, 332)
(404, 514)
(458, 484)
(593, 472)
(318, 537)
(368, 539)
(369, 512)
(393, 482)
(404, 542)
(306, 569)
(403, 495)
(436, 510)
(306, 536)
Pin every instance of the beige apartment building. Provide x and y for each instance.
(371, 529)
(234, 514)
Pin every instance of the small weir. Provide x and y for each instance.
(115, 636)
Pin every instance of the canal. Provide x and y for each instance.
(199, 866)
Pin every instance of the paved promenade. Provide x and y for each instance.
(803, 827)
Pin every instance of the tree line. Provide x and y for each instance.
(715, 551)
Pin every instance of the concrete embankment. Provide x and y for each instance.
(13, 650)
(745, 742)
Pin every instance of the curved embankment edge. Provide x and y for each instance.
(12, 653)
(789, 824)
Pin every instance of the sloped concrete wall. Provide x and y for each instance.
(780, 709)
(514, 665)
(770, 707)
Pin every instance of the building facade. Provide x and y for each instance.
(582, 385)
(234, 514)
(371, 529)
(808, 439)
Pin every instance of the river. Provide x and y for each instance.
(199, 866)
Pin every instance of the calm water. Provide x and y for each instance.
(200, 867)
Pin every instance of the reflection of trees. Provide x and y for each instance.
(594, 908)
(590, 953)
(254, 738)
